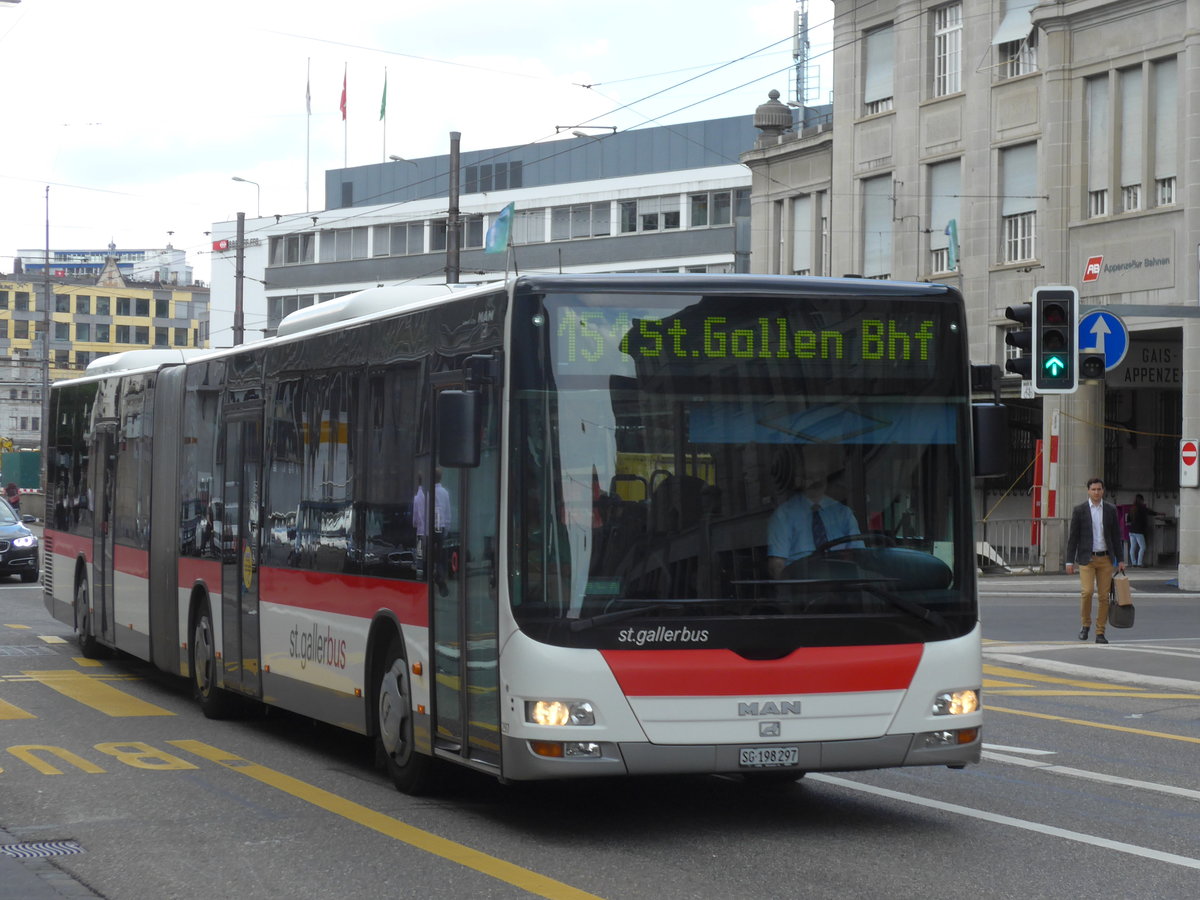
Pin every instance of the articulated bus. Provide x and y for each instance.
(531, 528)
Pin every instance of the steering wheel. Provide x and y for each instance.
(877, 538)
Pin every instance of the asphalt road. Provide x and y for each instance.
(1089, 787)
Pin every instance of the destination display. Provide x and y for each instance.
(589, 338)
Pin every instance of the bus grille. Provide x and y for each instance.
(47, 565)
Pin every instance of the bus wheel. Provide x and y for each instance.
(214, 702)
(88, 645)
(411, 771)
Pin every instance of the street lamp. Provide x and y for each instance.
(258, 194)
(394, 158)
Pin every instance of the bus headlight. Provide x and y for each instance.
(559, 712)
(956, 703)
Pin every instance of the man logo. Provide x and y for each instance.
(770, 708)
(1091, 271)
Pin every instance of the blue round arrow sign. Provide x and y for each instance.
(1104, 332)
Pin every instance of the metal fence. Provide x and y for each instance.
(1014, 545)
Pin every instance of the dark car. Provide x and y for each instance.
(18, 545)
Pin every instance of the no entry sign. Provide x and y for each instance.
(1189, 463)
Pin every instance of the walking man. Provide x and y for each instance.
(1094, 544)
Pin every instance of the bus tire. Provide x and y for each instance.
(214, 701)
(411, 771)
(89, 647)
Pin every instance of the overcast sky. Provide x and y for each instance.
(138, 113)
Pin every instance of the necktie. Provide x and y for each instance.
(818, 527)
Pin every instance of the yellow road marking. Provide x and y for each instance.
(9, 712)
(20, 627)
(1026, 677)
(989, 683)
(84, 661)
(1103, 725)
(496, 868)
(52, 639)
(96, 694)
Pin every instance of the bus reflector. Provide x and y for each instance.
(546, 748)
(417, 669)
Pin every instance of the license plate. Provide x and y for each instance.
(763, 757)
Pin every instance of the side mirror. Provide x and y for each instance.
(458, 429)
(989, 422)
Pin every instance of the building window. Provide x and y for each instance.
(141, 334)
(21, 329)
(62, 331)
(160, 336)
(877, 226)
(292, 249)
(878, 70)
(141, 307)
(713, 209)
(1018, 208)
(947, 50)
(62, 359)
(1165, 189)
(528, 226)
(1131, 197)
(122, 334)
(945, 187)
(1166, 119)
(3, 299)
(181, 337)
(650, 214)
(83, 331)
(102, 306)
(402, 239)
(582, 221)
(472, 232)
(1096, 110)
(437, 235)
(102, 333)
(162, 309)
(82, 358)
(1019, 234)
(83, 304)
(62, 303)
(123, 306)
(21, 301)
(1019, 57)
(1097, 203)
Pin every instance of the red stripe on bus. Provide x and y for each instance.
(129, 561)
(193, 570)
(347, 595)
(70, 545)
(723, 673)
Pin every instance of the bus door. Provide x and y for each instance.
(462, 572)
(104, 615)
(239, 546)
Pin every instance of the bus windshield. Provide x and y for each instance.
(754, 472)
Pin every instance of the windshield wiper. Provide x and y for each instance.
(924, 613)
(620, 614)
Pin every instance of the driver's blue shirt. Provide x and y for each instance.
(790, 533)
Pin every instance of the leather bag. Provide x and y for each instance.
(1120, 604)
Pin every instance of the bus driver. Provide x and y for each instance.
(806, 520)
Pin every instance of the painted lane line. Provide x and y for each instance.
(1027, 750)
(1116, 692)
(1102, 725)
(9, 713)
(500, 869)
(1093, 776)
(1113, 675)
(1024, 825)
(1026, 676)
(92, 692)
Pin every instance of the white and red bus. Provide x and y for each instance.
(530, 528)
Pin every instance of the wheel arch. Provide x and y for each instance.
(384, 629)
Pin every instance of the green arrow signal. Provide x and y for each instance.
(1054, 366)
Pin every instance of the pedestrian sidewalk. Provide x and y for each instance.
(35, 877)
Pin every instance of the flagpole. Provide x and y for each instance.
(383, 115)
(308, 134)
(345, 125)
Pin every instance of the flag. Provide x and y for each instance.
(497, 233)
(308, 96)
(343, 96)
(383, 103)
(952, 246)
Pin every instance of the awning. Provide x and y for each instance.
(1017, 22)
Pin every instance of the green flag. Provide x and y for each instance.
(497, 233)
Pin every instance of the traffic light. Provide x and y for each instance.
(1022, 338)
(1055, 338)
(1091, 365)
